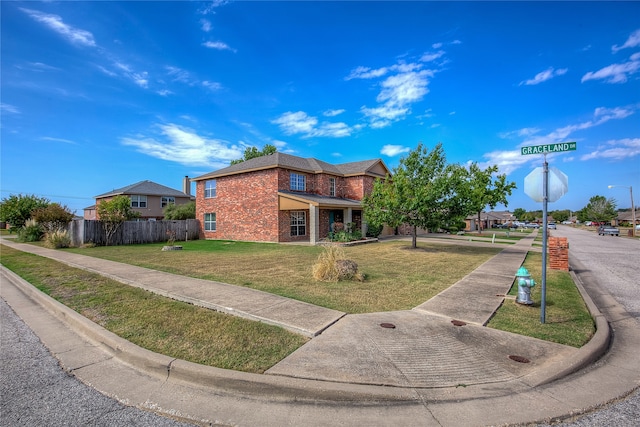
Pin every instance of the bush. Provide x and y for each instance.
(374, 230)
(58, 239)
(31, 232)
(332, 266)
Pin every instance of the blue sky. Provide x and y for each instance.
(99, 95)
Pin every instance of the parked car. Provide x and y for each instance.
(551, 225)
(532, 225)
(604, 230)
(567, 222)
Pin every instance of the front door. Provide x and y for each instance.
(335, 216)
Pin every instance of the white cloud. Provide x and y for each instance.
(428, 57)
(366, 73)
(300, 123)
(543, 76)
(8, 108)
(52, 139)
(164, 92)
(333, 113)
(212, 85)
(185, 146)
(54, 22)
(205, 25)
(218, 46)
(615, 73)
(394, 150)
(616, 150)
(632, 41)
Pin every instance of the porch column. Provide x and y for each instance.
(314, 224)
(348, 215)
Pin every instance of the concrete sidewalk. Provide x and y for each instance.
(377, 368)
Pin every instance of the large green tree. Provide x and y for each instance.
(112, 213)
(485, 188)
(16, 210)
(180, 212)
(519, 213)
(422, 192)
(599, 209)
(253, 152)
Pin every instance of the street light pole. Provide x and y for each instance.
(633, 208)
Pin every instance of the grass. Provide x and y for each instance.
(397, 277)
(157, 323)
(567, 319)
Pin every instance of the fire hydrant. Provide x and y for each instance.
(525, 283)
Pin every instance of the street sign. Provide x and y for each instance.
(548, 148)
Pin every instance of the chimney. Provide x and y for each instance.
(186, 185)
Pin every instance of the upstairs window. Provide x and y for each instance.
(138, 201)
(332, 187)
(210, 189)
(167, 200)
(298, 182)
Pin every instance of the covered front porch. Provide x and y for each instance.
(323, 212)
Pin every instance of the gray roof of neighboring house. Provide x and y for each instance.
(293, 162)
(148, 188)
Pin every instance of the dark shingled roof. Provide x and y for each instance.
(148, 188)
(288, 161)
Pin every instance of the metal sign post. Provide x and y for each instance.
(559, 189)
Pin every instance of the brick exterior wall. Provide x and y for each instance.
(558, 249)
(246, 207)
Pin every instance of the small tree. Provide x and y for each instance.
(519, 213)
(485, 190)
(53, 218)
(16, 210)
(180, 212)
(253, 152)
(423, 192)
(112, 213)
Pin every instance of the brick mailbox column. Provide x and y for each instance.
(558, 253)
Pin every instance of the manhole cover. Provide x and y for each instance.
(388, 325)
(458, 323)
(519, 359)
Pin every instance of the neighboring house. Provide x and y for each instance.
(626, 217)
(90, 213)
(283, 198)
(488, 220)
(147, 197)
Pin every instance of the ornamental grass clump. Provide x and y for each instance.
(332, 266)
(57, 239)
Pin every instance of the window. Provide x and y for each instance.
(298, 223)
(138, 201)
(210, 189)
(332, 187)
(210, 222)
(167, 200)
(297, 181)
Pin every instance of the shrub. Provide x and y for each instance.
(374, 230)
(31, 232)
(332, 266)
(57, 239)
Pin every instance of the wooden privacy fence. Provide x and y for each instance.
(132, 232)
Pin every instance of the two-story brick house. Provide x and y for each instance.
(283, 198)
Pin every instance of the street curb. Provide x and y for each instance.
(586, 355)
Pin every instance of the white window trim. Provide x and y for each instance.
(297, 225)
(210, 192)
(294, 181)
(167, 200)
(214, 222)
(139, 200)
(332, 187)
